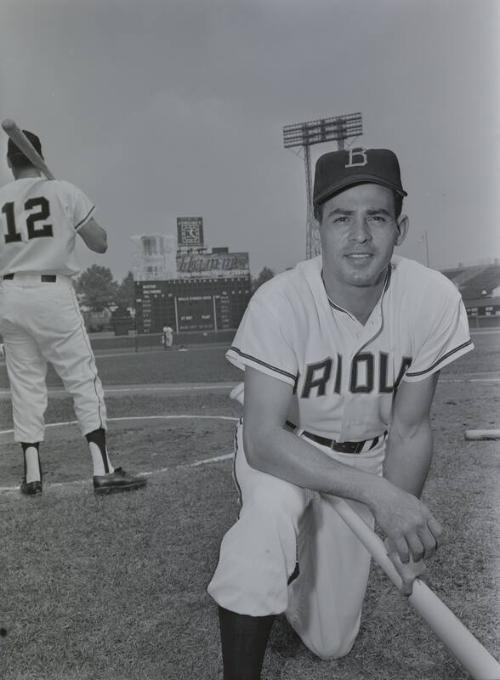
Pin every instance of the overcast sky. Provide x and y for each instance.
(162, 108)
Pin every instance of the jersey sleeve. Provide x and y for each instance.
(83, 210)
(263, 339)
(80, 206)
(441, 333)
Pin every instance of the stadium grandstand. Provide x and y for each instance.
(479, 286)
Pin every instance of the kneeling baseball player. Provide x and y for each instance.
(341, 358)
(40, 319)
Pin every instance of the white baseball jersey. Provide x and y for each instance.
(344, 374)
(40, 321)
(39, 219)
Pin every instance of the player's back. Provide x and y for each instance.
(37, 226)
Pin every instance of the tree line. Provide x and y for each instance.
(99, 291)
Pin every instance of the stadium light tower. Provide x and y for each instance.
(305, 135)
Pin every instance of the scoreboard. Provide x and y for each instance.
(191, 304)
(189, 287)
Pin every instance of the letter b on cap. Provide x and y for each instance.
(356, 158)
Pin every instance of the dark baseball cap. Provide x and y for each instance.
(13, 151)
(339, 170)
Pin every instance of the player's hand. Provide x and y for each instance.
(408, 572)
(409, 526)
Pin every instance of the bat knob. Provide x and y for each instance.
(8, 124)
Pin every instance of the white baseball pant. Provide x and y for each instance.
(281, 524)
(41, 323)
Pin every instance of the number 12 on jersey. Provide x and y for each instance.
(40, 211)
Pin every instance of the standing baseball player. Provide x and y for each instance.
(40, 319)
(167, 337)
(341, 358)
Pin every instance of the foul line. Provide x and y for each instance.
(197, 463)
(184, 415)
(172, 388)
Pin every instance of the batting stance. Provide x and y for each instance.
(40, 319)
(341, 358)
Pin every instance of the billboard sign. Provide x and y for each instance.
(212, 265)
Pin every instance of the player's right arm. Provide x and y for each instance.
(94, 236)
(271, 448)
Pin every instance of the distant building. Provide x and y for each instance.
(187, 286)
(154, 257)
(479, 286)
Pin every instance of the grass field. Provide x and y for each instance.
(115, 588)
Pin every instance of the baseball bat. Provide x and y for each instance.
(482, 435)
(24, 145)
(451, 631)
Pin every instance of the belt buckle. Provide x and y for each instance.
(350, 448)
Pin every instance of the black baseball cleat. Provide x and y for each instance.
(117, 481)
(31, 488)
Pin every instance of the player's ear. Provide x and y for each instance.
(402, 227)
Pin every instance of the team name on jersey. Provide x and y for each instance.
(368, 373)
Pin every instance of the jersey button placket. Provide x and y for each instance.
(349, 397)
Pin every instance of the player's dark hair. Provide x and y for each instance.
(398, 207)
(16, 157)
(20, 162)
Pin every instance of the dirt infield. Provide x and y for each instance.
(115, 588)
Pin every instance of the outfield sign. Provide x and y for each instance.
(190, 232)
(212, 265)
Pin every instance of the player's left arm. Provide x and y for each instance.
(407, 462)
(409, 445)
(440, 336)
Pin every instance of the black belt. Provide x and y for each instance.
(341, 447)
(44, 278)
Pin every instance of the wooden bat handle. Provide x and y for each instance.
(450, 630)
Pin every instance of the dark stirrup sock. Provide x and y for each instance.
(98, 437)
(244, 641)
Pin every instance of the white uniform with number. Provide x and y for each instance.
(344, 377)
(40, 321)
